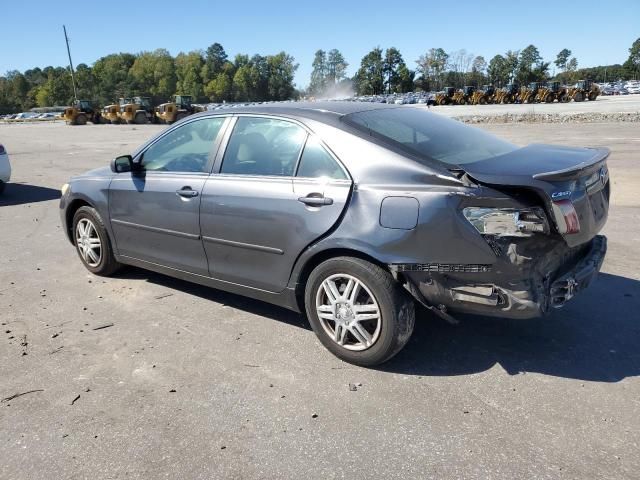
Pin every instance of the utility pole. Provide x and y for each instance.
(73, 78)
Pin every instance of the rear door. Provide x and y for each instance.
(155, 213)
(257, 215)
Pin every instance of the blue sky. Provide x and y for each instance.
(597, 32)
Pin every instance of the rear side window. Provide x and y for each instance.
(429, 136)
(263, 146)
(316, 162)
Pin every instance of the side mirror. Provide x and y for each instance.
(123, 163)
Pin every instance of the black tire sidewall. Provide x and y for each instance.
(390, 301)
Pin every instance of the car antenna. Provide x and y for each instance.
(73, 78)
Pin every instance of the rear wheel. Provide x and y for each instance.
(140, 118)
(549, 98)
(592, 96)
(358, 311)
(578, 97)
(81, 119)
(92, 242)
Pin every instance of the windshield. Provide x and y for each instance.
(430, 136)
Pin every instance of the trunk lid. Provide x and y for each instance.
(558, 175)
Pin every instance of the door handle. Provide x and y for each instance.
(316, 201)
(187, 192)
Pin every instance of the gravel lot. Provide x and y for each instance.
(188, 382)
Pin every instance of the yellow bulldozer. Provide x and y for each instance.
(463, 96)
(484, 96)
(544, 93)
(176, 109)
(508, 94)
(584, 90)
(81, 112)
(445, 97)
(138, 111)
(111, 113)
(528, 93)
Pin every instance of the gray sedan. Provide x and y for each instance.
(352, 213)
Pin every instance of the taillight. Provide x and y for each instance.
(566, 216)
(2, 150)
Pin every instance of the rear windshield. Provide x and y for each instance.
(430, 136)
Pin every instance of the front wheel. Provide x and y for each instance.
(358, 311)
(92, 242)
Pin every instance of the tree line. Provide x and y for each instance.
(205, 75)
(210, 75)
(386, 72)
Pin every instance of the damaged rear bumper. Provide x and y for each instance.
(521, 284)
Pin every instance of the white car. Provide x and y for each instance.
(5, 168)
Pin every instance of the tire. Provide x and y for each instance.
(549, 98)
(140, 118)
(81, 119)
(578, 97)
(180, 116)
(376, 294)
(105, 264)
(592, 97)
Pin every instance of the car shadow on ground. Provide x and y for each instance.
(255, 307)
(21, 193)
(595, 337)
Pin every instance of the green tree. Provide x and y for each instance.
(633, 62)
(112, 76)
(390, 66)
(221, 87)
(529, 60)
(318, 73)
(153, 73)
(405, 78)
(215, 58)
(336, 67)
(370, 76)
(188, 70)
(562, 58)
(281, 71)
(431, 67)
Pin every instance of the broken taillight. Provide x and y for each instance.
(566, 216)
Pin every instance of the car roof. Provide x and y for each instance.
(328, 112)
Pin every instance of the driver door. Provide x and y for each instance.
(155, 212)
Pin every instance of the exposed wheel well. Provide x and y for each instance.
(71, 211)
(320, 257)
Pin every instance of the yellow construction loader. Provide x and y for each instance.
(111, 113)
(445, 97)
(584, 90)
(81, 112)
(138, 111)
(463, 96)
(176, 109)
(508, 94)
(484, 96)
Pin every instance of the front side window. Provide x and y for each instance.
(263, 146)
(185, 149)
(316, 162)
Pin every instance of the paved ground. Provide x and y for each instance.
(194, 383)
(610, 104)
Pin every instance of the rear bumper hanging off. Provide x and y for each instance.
(526, 287)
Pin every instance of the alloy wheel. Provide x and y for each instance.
(348, 312)
(88, 242)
